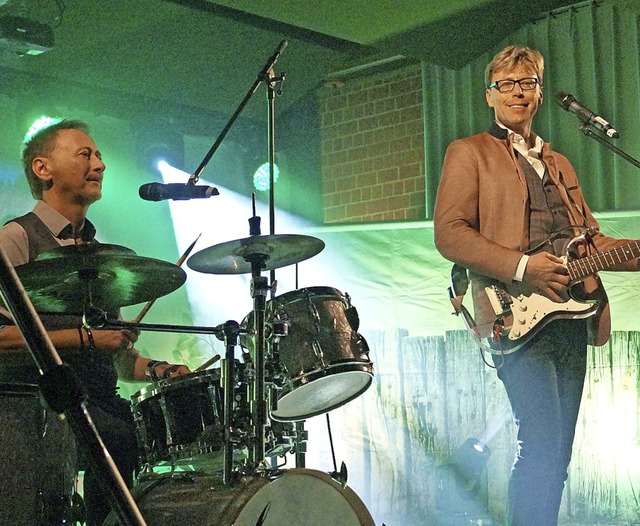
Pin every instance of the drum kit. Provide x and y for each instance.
(210, 440)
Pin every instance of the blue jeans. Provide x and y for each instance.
(544, 382)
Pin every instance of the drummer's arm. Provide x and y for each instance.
(132, 367)
(13, 347)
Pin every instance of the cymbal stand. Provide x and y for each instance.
(231, 332)
(63, 392)
(259, 289)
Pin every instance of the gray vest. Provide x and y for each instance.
(95, 369)
(547, 213)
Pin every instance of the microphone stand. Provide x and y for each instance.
(263, 75)
(63, 393)
(589, 133)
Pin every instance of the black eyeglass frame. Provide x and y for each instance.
(497, 83)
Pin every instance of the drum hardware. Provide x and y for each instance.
(342, 475)
(231, 332)
(256, 253)
(300, 448)
(281, 439)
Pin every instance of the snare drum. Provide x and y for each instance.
(325, 360)
(38, 456)
(180, 418)
(297, 496)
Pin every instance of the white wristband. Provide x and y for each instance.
(522, 266)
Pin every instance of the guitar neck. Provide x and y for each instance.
(586, 266)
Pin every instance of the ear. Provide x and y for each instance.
(540, 97)
(40, 168)
(487, 93)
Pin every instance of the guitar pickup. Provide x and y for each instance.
(499, 299)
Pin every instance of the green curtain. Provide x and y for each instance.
(591, 51)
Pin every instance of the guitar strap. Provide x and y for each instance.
(589, 230)
(458, 285)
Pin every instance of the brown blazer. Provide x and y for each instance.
(481, 219)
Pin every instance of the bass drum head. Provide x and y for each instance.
(297, 496)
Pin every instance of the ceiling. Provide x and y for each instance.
(208, 55)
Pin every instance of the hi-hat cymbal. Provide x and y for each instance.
(71, 278)
(275, 251)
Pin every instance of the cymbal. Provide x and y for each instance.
(235, 257)
(71, 278)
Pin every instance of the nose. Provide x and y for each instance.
(98, 165)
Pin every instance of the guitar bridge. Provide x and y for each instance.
(499, 299)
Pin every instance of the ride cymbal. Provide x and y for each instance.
(71, 278)
(237, 257)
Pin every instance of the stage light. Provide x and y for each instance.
(461, 492)
(155, 143)
(469, 460)
(261, 177)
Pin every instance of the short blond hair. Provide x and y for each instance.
(513, 56)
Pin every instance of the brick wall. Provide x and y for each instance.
(372, 138)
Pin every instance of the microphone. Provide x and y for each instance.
(175, 191)
(570, 104)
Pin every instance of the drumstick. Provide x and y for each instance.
(208, 363)
(179, 263)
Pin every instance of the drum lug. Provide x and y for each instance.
(280, 329)
(352, 317)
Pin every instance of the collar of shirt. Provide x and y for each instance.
(532, 155)
(60, 226)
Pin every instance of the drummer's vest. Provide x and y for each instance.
(95, 369)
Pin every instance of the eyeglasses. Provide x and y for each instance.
(506, 86)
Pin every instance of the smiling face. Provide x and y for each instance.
(515, 109)
(73, 170)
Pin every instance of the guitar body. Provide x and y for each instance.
(518, 314)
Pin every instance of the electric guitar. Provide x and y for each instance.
(520, 314)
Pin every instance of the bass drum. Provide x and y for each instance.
(296, 496)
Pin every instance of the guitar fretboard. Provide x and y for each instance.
(583, 267)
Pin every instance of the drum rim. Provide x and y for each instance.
(345, 365)
(19, 389)
(170, 384)
(299, 292)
